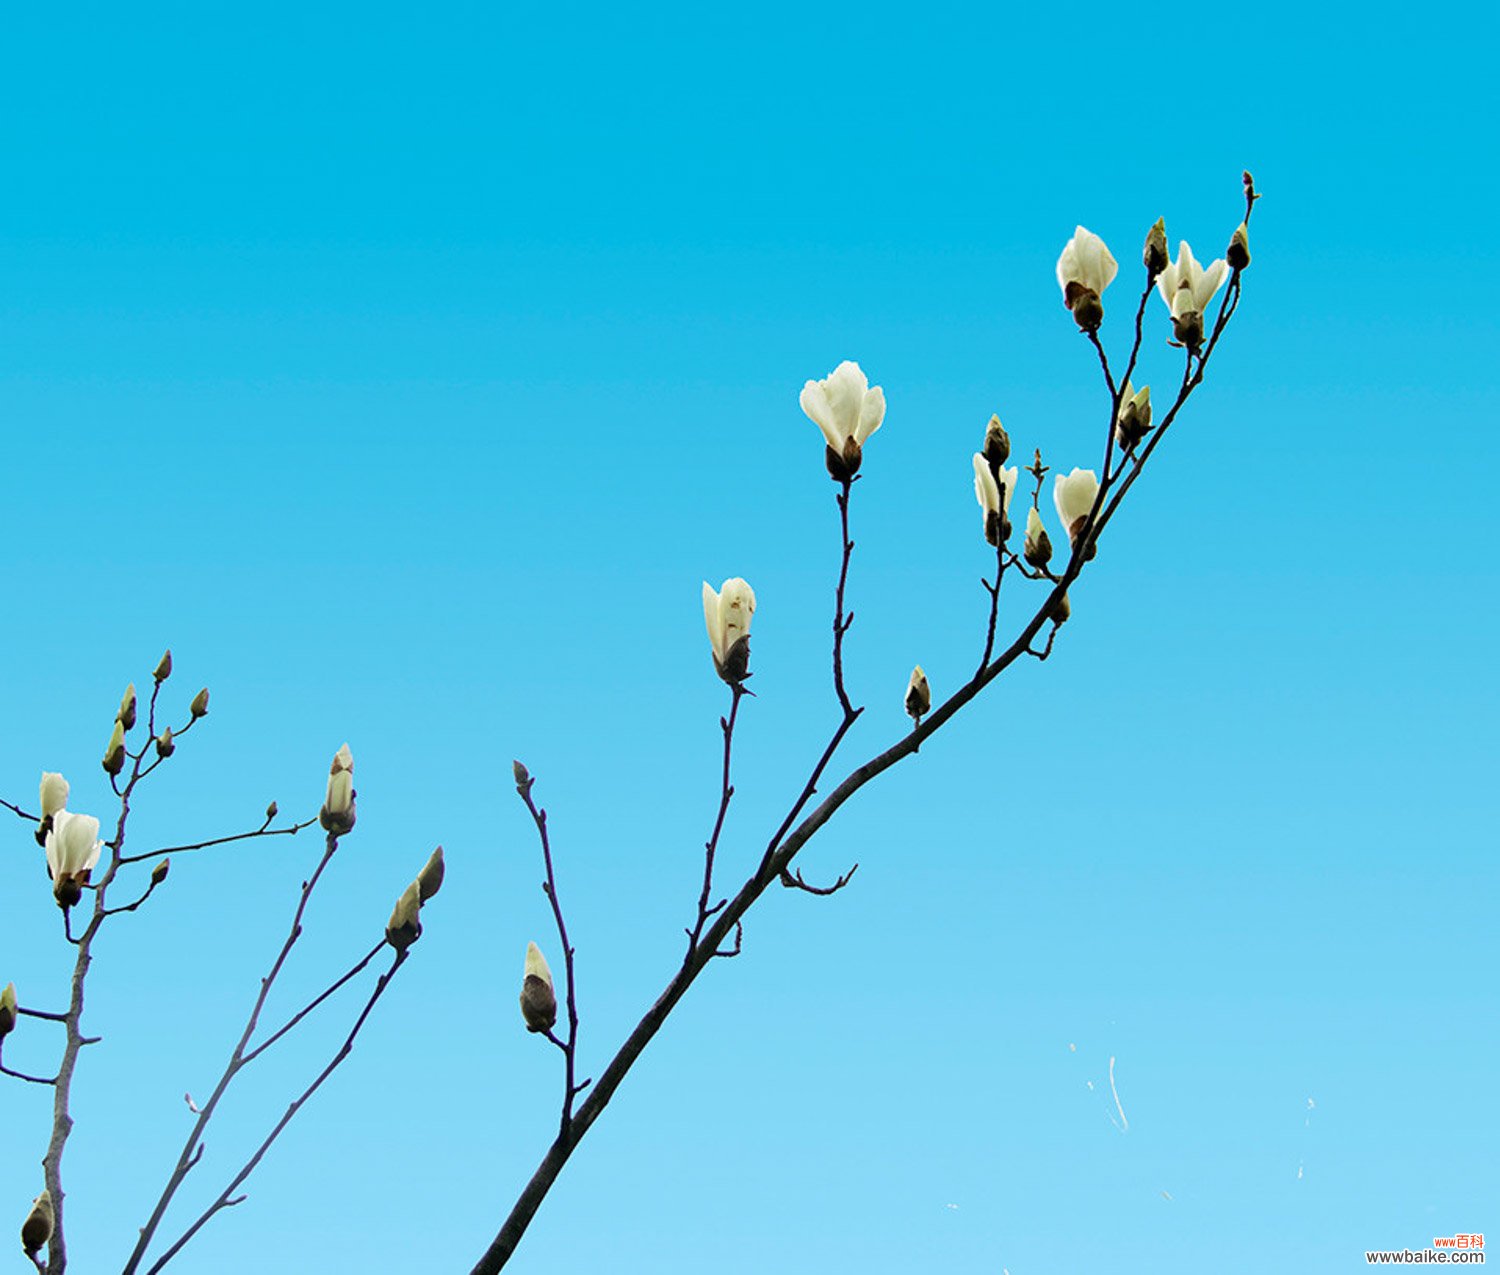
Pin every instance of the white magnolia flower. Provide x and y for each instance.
(918, 694)
(1038, 547)
(73, 848)
(1187, 288)
(727, 615)
(54, 792)
(995, 508)
(337, 815)
(538, 1000)
(848, 409)
(1074, 496)
(1085, 268)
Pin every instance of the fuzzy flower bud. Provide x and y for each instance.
(727, 615)
(918, 695)
(996, 443)
(199, 706)
(272, 810)
(36, 1231)
(994, 490)
(337, 815)
(522, 775)
(126, 715)
(1074, 496)
(430, 878)
(1084, 270)
(53, 793)
(1155, 256)
(1238, 252)
(848, 409)
(159, 872)
(1038, 547)
(1133, 421)
(114, 752)
(8, 1010)
(73, 847)
(405, 926)
(165, 744)
(163, 667)
(538, 1000)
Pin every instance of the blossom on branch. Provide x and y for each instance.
(538, 1000)
(1074, 495)
(36, 1231)
(337, 815)
(993, 489)
(848, 409)
(1133, 420)
(1038, 547)
(918, 695)
(727, 615)
(73, 847)
(1187, 288)
(114, 751)
(405, 926)
(1084, 270)
(8, 1010)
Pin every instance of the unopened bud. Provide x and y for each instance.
(165, 745)
(126, 715)
(199, 706)
(337, 815)
(1061, 610)
(114, 752)
(918, 695)
(523, 776)
(538, 1000)
(163, 667)
(1133, 422)
(159, 872)
(996, 443)
(430, 878)
(8, 1010)
(1155, 255)
(36, 1231)
(1238, 252)
(1038, 547)
(271, 811)
(405, 926)
(53, 793)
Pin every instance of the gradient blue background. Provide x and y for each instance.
(406, 372)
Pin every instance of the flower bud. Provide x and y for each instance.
(1084, 270)
(430, 878)
(405, 926)
(126, 715)
(996, 444)
(165, 745)
(523, 776)
(73, 848)
(159, 872)
(114, 753)
(272, 810)
(538, 1001)
(53, 793)
(36, 1231)
(1187, 320)
(1038, 547)
(163, 667)
(1074, 495)
(337, 815)
(1062, 610)
(199, 706)
(1238, 252)
(994, 489)
(1133, 421)
(918, 695)
(8, 1010)
(727, 614)
(1155, 257)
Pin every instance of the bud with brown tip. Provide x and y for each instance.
(8, 1010)
(165, 744)
(1238, 252)
(126, 715)
(538, 1000)
(996, 444)
(918, 695)
(430, 878)
(1155, 256)
(163, 667)
(337, 815)
(1133, 421)
(1038, 547)
(36, 1231)
(405, 926)
(114, 752)
(159, 872)
(199, 706)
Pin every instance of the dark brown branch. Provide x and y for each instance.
(16, 810)
(226, 1198)
(793, 880)
(265, 830)
(307, 1009)
(841, 622)
(739, 939)
(726, 793)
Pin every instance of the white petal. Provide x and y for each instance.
(736, 607)
(846, 396)
(711, 616)
(815, 403)
(871, 413)
(1012, 481)
(985, 490)
(536, 964)
(1209, 283)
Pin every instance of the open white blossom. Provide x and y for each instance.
(1084, 270)
(995, 508)
(1074, 496)
(1187, 288)
(73, 848)
(727, 615)
(848, 409)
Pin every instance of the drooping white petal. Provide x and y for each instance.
(986, 491)
(1011, 478)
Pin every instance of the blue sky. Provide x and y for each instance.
(406, 372)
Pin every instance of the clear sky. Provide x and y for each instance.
(407, 369)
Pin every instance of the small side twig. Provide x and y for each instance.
(794, 881)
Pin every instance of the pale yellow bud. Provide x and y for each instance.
(114, 752)
(36, 1231)
(538, 1001)
(918, 695)
(8, 1009)
(430, 878)
(337, 815)
(405, 926)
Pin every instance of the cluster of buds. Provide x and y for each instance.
(538, 1000)
(848, 409)
(405, 926)
(337, 814)
(727, 615)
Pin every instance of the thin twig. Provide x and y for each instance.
(265, 830)
(726, 793)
